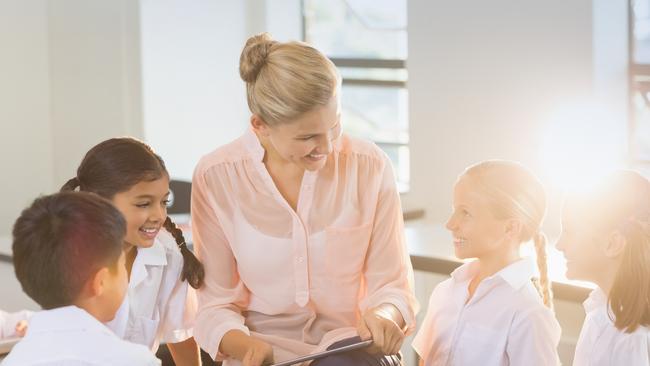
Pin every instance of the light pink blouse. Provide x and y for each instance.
(298, 280)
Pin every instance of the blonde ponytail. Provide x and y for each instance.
(543, 285)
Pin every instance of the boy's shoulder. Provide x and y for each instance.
(82, 341)
(126, 353)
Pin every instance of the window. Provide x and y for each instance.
(639, 134)
(367, 41)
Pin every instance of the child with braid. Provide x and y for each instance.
(158, 306)
(492, 311)
(606, 240)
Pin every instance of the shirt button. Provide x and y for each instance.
(301, 259)
(302, 298)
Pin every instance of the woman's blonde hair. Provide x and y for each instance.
(514, 192)
(621, 203)
(285, 80)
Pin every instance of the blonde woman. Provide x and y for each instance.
(299, 226)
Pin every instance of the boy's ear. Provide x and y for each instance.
(513, 228)
(259, 125)
(615, 245)
(97, 282)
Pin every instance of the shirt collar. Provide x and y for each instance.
(597, 299)
(65, 318)
(465, 272)
(152, 256)
(516, 274)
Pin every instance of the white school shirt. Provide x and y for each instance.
(602, 344)
(70, 336)
(8, 322)
(504, 323)
(158, 306)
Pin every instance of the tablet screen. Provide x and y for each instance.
(313, 356)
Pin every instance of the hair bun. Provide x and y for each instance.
(253, 56)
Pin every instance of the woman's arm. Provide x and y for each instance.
(223, 294)
(384, 325)
(390, 312)
(249, 350)
(389, 307)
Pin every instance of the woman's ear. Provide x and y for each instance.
(615, 245)
(259, 125)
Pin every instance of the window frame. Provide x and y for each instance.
(369, 63)
(636, 71)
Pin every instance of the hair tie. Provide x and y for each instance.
(72, 184)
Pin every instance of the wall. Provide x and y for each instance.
(69, 78)
(483, 78)
(26, 149)
(193, 97)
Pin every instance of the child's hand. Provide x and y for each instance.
(21, 328)
(379, 326)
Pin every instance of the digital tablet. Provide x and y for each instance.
(313, 356)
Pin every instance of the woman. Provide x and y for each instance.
(299, 227)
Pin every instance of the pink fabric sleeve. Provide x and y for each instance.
(388, 271)
(223, 294)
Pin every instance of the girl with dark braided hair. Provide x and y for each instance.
(159, 306)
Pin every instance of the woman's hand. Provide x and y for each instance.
(249, 350)
(383, 325)
(259, 353)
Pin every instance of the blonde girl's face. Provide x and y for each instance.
(144, 207)
(476, 232)
(583, 249)
(308, 140)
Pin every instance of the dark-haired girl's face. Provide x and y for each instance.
(144, 207)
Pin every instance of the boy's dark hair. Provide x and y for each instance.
(116, 165)
(61, 241)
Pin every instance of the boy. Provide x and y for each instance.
(67, 254)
